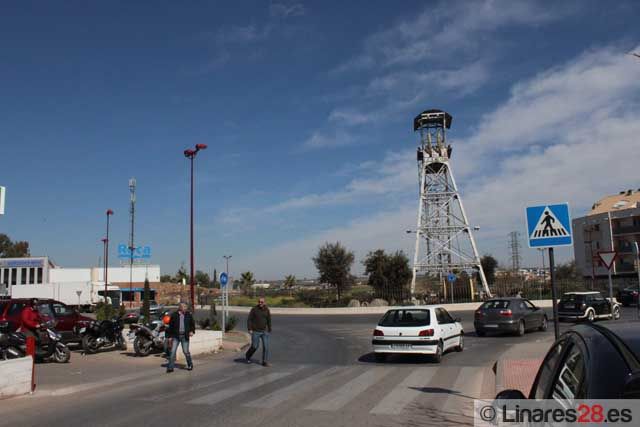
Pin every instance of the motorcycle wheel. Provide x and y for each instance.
(142, 347)
(62, 354)
(89, 344)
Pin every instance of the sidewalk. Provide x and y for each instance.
(235, 341)
(518, 366)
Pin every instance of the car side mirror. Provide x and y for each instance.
(510, 394)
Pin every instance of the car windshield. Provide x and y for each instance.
(572, 298)
(496, 304)
(45, 311)
(405, 318)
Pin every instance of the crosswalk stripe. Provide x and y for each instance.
(467, 387)
(199, 386)
(405, 392)
(219, 396)
(340, 397)
(277, 397)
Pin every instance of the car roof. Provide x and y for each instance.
(504, 298)
(627, 331)
(416, 307)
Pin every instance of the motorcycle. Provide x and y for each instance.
(49, 347)
(104, 334)
(148, 337)
(9, 343)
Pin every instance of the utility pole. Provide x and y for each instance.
(514, 246)
(132, 248)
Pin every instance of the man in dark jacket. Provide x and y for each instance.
(259, 325)
(181, 328)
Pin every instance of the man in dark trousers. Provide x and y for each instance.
(259, 325)
(181, 328)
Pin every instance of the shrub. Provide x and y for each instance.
(204, 323)
(231, 323)
(105, 311)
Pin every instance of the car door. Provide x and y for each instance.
(534, 314)
(546, 373)
(453, 328)
(14, 315)
(445, 326)
(603, 305)
(65, 319)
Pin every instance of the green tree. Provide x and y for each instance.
(214, 281)
(246, 280)
(333, 263)
(289, 282)
(202, 279)
(389, 275)
(146, 297)
(567, 271)
(11, 249)
(165, 278)
(182, 274)
(489, 265)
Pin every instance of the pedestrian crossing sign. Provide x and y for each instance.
(549, 225)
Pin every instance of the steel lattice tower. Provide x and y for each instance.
(514, 245)
(444, 240)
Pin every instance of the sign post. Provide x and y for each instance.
(451, 278)
(608, 258)
(223, 283)
(549, 226)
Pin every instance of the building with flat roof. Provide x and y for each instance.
(613, 223)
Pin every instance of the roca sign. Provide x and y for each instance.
(140, 252)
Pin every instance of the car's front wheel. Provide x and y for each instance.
(521, 328)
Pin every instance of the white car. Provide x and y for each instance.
(417, 330)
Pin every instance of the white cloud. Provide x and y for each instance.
(572, 133)
(324, 140)
(281, 10)
(448, 30)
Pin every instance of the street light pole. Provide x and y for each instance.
(191, 154)
(225, 293)
(106, 255)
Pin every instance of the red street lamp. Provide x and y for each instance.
(105, 241)
(191, 154)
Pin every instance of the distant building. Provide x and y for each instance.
(613, 223)
(261, 285)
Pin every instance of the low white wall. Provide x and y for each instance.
(15, 377)
(366, 310)
(201, 342)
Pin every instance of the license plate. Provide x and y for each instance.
(490, 325)
(401, 346)
(569, 306)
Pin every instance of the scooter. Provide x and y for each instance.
(104, 334)
(49, 347)
(148, 337)
(9, 343)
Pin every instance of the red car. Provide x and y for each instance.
(66, 317)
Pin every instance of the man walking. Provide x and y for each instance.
(259, 325)
(181, 328)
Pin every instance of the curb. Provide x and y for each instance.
(234, 345)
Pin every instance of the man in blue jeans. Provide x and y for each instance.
(181, 328)
(259, 325)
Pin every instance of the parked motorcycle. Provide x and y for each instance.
(49, 347)
(148, 337)
(104, 334)
(9, 343)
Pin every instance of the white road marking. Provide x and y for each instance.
(279, 396)
(468, 386)
(219, 396)
(405, 392)
(340, 397)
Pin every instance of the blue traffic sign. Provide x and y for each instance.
(451, 277)
(223, 279)
(549, 225)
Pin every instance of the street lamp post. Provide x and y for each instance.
(544, 273)
(106, 255)
(191, 154)
(225, 293)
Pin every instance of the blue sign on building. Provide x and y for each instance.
(549, 225)
(140, 252)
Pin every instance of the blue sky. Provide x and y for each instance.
(307, 109)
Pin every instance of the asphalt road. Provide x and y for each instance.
(322, 375)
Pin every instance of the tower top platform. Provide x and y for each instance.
(432, 118)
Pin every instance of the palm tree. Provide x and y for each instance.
(246, 280)
(290, 282)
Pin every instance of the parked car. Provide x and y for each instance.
(586, 305)
(67, 320)
(155, 308)
(417, 330)
(628, 296)
(515, 315)
(589, 361)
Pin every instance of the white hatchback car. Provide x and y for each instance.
(417, 330)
